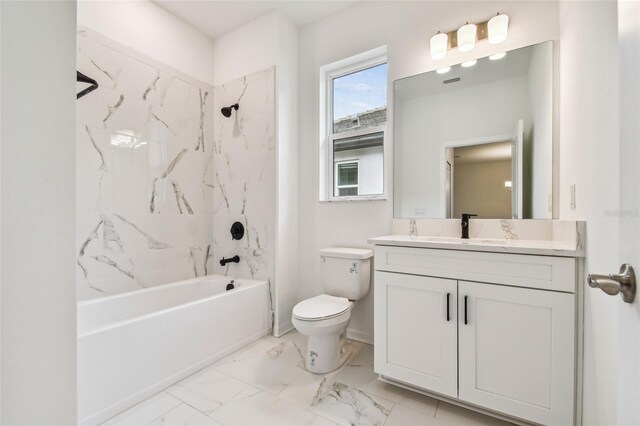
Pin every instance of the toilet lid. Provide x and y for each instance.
(322, 306)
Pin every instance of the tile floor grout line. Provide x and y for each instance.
(140, 403)
(166, 412)
(286, 396)
(335, 373)
(277, 396)
(200, 411)
(277, 399)
(166, 390)
(254, 385)
(390, 411)
(310, 407)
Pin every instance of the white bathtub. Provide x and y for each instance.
(133, 345)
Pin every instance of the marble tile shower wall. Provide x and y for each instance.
(145, 179)
(244, 176)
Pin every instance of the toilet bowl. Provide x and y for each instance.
(345, 275)
(323, 319)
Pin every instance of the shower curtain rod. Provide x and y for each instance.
(81, 78)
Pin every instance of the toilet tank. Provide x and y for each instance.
(345, 272)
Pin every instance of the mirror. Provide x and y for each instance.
(476, 139)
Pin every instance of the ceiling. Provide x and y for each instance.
(497, 151)
(216, 18)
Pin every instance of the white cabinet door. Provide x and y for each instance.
(416, 331)
(517, 351)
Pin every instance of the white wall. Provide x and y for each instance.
(267, 41)
(588, 145)
(405, 27)
(152, 31)
(38, 311)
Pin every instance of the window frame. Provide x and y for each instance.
(328, 74)
(336, 186)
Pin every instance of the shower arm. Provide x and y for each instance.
(81, 78)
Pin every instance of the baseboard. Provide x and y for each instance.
(283, 329)
(117, 408)
(453, 401)
(360, 336)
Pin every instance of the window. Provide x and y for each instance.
(355, 123)
(346, 179)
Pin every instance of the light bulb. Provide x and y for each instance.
(498, 27)
(466, 37)
(438, 45)
(443, 70)
(497, 56)
(469, 63)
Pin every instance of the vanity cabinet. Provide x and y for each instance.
(504, 341)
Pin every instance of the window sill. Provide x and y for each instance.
(352, 199)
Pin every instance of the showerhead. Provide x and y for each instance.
(226, 111)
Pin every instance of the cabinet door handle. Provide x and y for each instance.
(448, 296)
(465, 310)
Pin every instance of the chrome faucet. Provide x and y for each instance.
(465, 224)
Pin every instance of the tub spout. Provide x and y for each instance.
(234, 259)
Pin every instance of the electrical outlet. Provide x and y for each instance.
(420, 211)
(572, 196)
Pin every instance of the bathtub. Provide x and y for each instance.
(135, 344)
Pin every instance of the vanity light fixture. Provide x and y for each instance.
(464, 39)
(497, 27)
(443, 70)
(469, 63)
(438, 45)
(497, 56)
(467, 37)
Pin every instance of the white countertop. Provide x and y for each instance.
(535, 247)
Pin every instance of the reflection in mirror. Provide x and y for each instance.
(477, 139)
(482, 181)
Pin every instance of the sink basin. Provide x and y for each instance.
(442, 239)
(458, 240)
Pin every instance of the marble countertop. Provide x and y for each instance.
(535, 247)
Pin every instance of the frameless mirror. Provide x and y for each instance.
(477, 138)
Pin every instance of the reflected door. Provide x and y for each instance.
(517, 164)
(448, 200)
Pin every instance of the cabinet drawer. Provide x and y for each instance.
(543, 272)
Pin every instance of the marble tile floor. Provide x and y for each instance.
(265, 383)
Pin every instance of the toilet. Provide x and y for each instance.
(345, 274)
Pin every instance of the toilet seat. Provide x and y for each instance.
(321, 307)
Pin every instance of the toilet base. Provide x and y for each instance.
(326, 350)
(326, 353)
